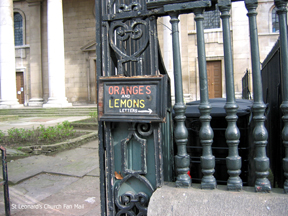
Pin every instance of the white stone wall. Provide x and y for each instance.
(79, 29)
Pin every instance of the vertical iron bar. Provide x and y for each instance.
(232, 134)
(109, 168)
(260, 135)
(206, 133)
(182, 159)
(5, 179)
(98, 17)
(282, 13)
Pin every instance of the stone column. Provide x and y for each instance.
(56, 60)
(8, 97)
(36, 99)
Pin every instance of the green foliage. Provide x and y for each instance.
(93, 115)
(2, 134)
(39, 135)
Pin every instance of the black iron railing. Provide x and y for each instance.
(126, 40)
(5, 181)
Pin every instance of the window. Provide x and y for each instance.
(275, 21)
(212, 19)
(18, 29)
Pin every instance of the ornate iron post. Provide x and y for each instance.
(282, 13)
(233, 161)
(260, 134)
(206, 133)
(182, 159)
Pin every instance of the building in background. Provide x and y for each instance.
(268, 32)
(51, 61)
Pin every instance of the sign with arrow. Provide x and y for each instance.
(140, 98)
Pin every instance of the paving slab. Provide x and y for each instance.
(32, 191)
(74, 162)
(66, 183)
(95, 172)
(79, 198)
(24, 168)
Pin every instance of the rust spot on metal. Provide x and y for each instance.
(118, 175)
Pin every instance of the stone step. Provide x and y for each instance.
(8, 117)
(47, 112)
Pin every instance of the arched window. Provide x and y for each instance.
(212, 19)
(275, 21)
(18, 29)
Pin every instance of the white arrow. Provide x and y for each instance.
(145, 111)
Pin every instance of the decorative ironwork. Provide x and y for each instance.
(124, 31)
(206, 133)
(128, 201)
(130, 149)
(121, 7)
(144, 129)
(124, 159)
(182, 159)
(260, 133)
(134, 6)
(232, 134)
(282, 13)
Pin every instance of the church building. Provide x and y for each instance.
(48, 58)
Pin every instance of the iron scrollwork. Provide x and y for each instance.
(134, 6)
(144, 129)
(128, 201)
(123, 32)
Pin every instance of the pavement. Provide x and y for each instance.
(66, 183)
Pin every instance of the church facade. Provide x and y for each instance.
(48, 59)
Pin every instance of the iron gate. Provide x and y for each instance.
(134, 106)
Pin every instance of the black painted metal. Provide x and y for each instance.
(130, 146)
(271, 78)
(130, 152)
(101, 152)
(220, 148)
(260, 134)
(232, 132)
(5, 181)
(282, 13)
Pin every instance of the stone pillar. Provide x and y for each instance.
(36, 99)
(56, 60)
(8, 97)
